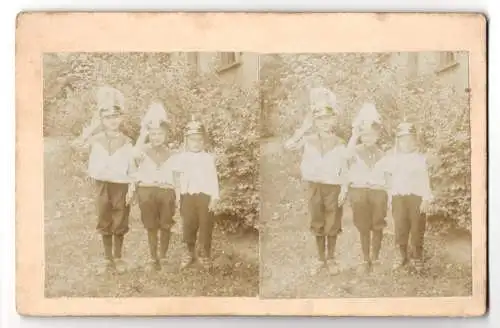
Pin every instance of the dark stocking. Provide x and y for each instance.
(320, 244)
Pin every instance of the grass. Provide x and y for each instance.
(72, 246)
(288, 249)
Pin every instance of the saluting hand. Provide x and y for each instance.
(356, 132)
(291, 144)
(76, 143)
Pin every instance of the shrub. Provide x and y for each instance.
(230, 113)
(440, 113)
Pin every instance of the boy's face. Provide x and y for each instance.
(324, 124)
(111, 122)
(369, 138)
(406, 143)
(195, 142)
(157, 136)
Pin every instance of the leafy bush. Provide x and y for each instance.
(440, 113)
(230, 113)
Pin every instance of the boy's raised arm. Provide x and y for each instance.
(84, 139)
(141, 140)
(351, 145)
(297, 140)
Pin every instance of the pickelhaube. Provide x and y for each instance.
(110, 101)
(194, 127)
(405, 128)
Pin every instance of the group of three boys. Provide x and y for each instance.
(370, 177)
(159, 178)
(150, 172)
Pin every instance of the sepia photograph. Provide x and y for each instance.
(366, 162)
(242, 164)
(151, 174)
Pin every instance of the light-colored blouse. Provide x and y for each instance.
(153, 172)
(328, 167)
(109, 166)
(198, 173)
(408, 173)
(364, 168)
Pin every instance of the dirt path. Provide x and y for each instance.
(72, 246)
(287, 247)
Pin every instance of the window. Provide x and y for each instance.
(447, 60)
(228, 60)
(192, 58)
(382, 57)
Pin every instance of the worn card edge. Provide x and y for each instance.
(261, 33)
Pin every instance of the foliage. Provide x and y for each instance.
(230, 113)
(439, 112)
(285, 273)
(73, 252)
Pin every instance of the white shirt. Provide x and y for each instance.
(327, 168)
(198, 173)
(150, 173)
(408, 174)
(366, 175)
(112, 167)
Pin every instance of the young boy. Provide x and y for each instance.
(155, 189)
(109, 163)
(411, 194)
(367, 191)
(199, 189)
(323, 166)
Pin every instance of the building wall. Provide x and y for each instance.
(405, 65)
(245, 72)
(455, 73)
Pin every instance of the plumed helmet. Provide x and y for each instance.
(155, 117)
(323, 102)
(110, 101)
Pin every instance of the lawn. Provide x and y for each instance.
(288, 248)
(72, 247)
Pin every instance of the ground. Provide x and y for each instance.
(73, 248)
(287, 248)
